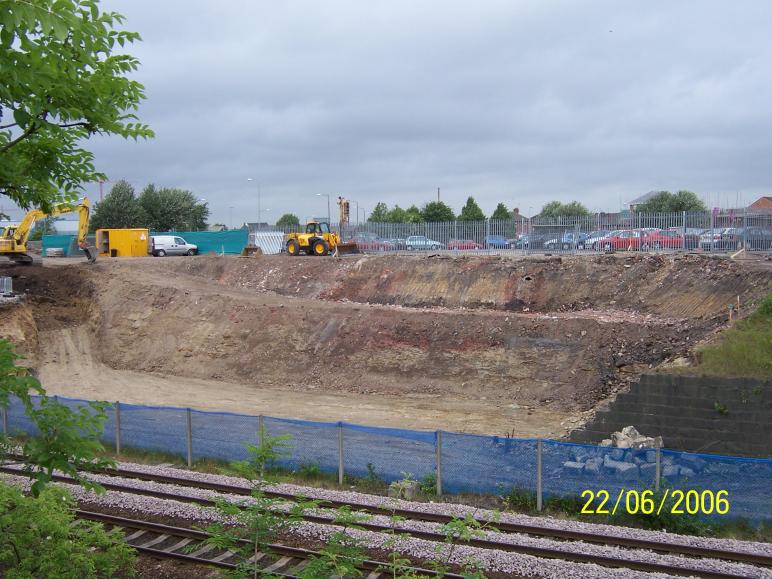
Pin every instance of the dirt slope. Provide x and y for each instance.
(506, 344)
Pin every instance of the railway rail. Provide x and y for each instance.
(760, 560)
(169, 542)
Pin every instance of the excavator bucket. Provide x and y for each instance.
(347, 248)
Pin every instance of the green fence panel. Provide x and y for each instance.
(213, 241)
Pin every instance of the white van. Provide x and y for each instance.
(162, 245)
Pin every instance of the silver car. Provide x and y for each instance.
(162, 245)
(421, 242)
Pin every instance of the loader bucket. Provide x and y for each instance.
(347, 248)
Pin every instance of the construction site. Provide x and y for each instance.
(525, 347)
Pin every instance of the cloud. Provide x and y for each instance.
(520, 102)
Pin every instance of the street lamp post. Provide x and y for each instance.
(328, 205)
(258, 202)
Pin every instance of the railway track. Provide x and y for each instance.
(694, 552)
(168, 542)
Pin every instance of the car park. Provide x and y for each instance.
(422, 242)
(163, 245)
(733, 238)
(463, 244)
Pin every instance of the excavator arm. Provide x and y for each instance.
(14, 240)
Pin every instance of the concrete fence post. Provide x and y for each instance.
(438, 460)
(118, 428)
(340, 453)
(539, 446)
(658, 467)
(4, 412)
(190, 437)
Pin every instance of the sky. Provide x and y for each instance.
(519, 102)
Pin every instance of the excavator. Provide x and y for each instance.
(13, 240)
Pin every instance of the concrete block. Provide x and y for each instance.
(573, 467)
(670, 470)
(592, 466)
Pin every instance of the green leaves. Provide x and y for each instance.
(40, 537)
(471, 211)
(67, 439)
(63, 84)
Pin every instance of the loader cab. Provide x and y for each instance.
(317, 228)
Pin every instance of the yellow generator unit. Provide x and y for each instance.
(123, 242)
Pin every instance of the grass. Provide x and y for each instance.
(742, 350)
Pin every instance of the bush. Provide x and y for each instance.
(40, 537)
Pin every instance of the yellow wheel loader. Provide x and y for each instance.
(13, 240)
(317, 240)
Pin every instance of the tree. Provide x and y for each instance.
(42, 538)
(119, 209)
(666, 202)
(555, 209)
(170, 209)
(501, 212)
(62, 83)
(287, 219)
(414, 214)
(436, 211)
(379, 214)
(471, 211)
(397, 215)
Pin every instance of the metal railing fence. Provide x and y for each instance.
(708, 231)
(454, 462)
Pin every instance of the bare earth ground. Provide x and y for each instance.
(487, 345)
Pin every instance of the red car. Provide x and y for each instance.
(463, 244)
(623, 239)
(370, 242)
(662, 240)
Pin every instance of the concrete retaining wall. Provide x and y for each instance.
(697, 414)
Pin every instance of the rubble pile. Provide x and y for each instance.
(629, 437)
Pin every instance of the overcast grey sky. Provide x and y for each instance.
(386, 100)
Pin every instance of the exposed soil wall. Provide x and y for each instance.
(527, 334)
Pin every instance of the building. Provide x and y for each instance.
(761, 205)
(641, 200)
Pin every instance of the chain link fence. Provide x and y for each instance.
(452, 462)
(708, 231)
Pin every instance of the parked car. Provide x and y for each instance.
(367, 241)
(395, 243)
(569, 240)
(659, 239)
(520, 243)
(463, 244)
(620, 239)
(692, 236)
(751, 238)
(163, 245)
(422, 242)
(496, 242)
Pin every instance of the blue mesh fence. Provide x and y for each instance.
(747, 481)
(487, 464)
(390, 451)
(568, 468)
(222, 435)
(311, 443)
(469, 463)
(155, 429)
